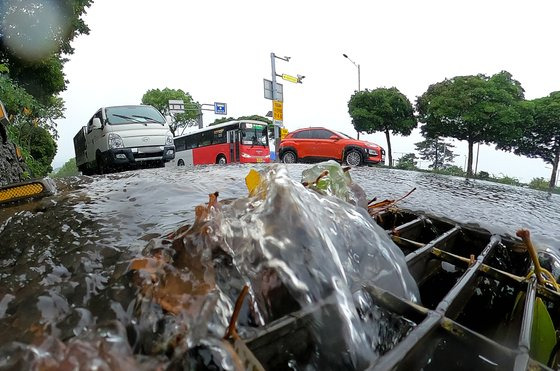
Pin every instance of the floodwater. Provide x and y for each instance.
(69, 296)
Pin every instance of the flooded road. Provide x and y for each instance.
(64, 259)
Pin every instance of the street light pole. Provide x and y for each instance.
(358, 66)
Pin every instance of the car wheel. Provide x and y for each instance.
(353, 158)
(181, 162)
(289, 157)
(221, 160)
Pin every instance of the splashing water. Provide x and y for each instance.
(298, 247)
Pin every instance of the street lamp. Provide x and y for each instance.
(357, 65)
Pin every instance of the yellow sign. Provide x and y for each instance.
(283, 133)
(290, 78)
(277, 110)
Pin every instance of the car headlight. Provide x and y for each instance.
(115, 141)
(372, 152)
(169, 140)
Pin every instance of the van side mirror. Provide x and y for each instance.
(96, 124)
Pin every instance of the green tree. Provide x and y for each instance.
(34, 43)
(540, 134)
(438, 152)
(477, 109)
(32, 127)
(35, 40)
(68, 169)
(37, 145)
(407, 162)
(160, 100)
(382, 109)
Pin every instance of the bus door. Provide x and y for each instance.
(233, 140)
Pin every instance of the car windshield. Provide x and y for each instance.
(344, 135)
(253, 134)
(133, 114)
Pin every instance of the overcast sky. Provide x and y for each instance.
(220, 51)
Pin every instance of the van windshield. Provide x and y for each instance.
(133, 114)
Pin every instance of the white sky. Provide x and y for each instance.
(220, 51)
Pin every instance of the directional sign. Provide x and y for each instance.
(176, 106)
(290, 78)
(277, 110)
(283, 133)
(220, 108)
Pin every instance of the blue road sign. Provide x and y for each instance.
(220, 108)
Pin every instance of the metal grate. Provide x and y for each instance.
(470, 282)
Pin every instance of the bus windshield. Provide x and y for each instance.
(255, 135)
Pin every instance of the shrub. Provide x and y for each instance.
(539, 183)
(407, 162)
(483, 175)
(504, 179)
(451, 170)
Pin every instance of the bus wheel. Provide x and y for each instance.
(289, 157)
(221, 160)
(181, 162)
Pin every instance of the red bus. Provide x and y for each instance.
(233, 141)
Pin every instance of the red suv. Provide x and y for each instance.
(321, 144)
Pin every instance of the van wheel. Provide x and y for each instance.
(100, 164)
(353, 158)
(86, 170)
(289, 157)
(221, 160)
(181, 162)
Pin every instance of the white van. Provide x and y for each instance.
(122, 137)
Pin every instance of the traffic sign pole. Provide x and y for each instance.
(276, 124)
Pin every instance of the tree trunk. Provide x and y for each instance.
(470, 160)
(389, 154)
(436, 161)
(552, 183)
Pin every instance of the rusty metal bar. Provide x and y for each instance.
(468, 277)
(486, 269)
(416, 255)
